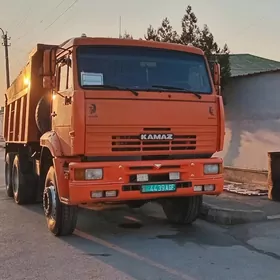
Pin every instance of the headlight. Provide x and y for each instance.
(211, 169)
(93, 174)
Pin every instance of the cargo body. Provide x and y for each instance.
(114, 121)
(22, 99)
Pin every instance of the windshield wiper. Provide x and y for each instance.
(177, 89)
(113, 87)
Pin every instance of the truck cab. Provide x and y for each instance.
(122, 121)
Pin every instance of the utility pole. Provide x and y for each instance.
(6, 46)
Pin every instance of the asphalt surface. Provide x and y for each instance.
(133, 244)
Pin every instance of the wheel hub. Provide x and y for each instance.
(7, 175)
(15, 180)
(49, 201)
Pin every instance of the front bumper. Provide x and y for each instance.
(118, 177)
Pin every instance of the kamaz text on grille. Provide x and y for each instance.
(167, 136)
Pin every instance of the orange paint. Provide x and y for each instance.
(116, 176)
(90, 123)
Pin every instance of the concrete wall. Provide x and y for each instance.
(1, 122)
(252, 120)
(1, 125)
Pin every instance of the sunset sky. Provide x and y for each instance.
(247, 26)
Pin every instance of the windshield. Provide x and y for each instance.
(142, 68)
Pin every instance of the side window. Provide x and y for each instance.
(65, 78)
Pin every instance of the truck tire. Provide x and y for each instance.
(42, 114)
(24, 185)
(61, 218)
(183, 210)
(8, 173)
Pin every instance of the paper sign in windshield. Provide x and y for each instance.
(91, 79)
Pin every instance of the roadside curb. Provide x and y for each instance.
(227, 216)
(246, 176)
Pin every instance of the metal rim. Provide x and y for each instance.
(49, 201)
(15, 180)
(7, 176)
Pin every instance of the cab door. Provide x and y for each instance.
(62, 102)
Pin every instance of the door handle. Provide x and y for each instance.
(53, 114)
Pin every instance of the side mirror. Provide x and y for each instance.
(49, 66)
(216, 75)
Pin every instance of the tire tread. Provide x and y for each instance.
(27, 185)
(182, 211)
(66, 214)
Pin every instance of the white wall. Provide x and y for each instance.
(252, 120)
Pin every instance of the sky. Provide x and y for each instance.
(247, 26)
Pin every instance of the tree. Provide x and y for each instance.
(206, 42)
(152, 34)
(166, 33)
(192, 34)
(224, 61)
(126, 35)
(190, 30)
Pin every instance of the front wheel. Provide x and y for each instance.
(61, 218)
(183, 210)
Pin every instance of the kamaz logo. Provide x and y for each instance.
(167, 136)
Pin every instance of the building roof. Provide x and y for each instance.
(247, 64)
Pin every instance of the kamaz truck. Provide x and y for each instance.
(114, 121)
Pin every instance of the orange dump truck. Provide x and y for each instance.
(114, 121)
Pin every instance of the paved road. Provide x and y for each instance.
(126, 244)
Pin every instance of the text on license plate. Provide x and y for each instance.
(159, 188)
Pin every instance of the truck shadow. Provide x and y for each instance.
(140, 238)
(147, 223)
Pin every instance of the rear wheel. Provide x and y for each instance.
(183, 210)
(23, 185)
(61, 218)
(8, 173)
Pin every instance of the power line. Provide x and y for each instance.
(41, 21)
(65, 11)
(59, 4)
(71, 16)
(19, 21)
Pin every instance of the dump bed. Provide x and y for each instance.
(22, 98)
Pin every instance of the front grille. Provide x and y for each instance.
(164, 177)
(126, 140)
(133, 143)
(151, 167)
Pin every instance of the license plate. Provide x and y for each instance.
(158, 188)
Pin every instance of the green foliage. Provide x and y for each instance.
(126, 36)
(191, 34)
